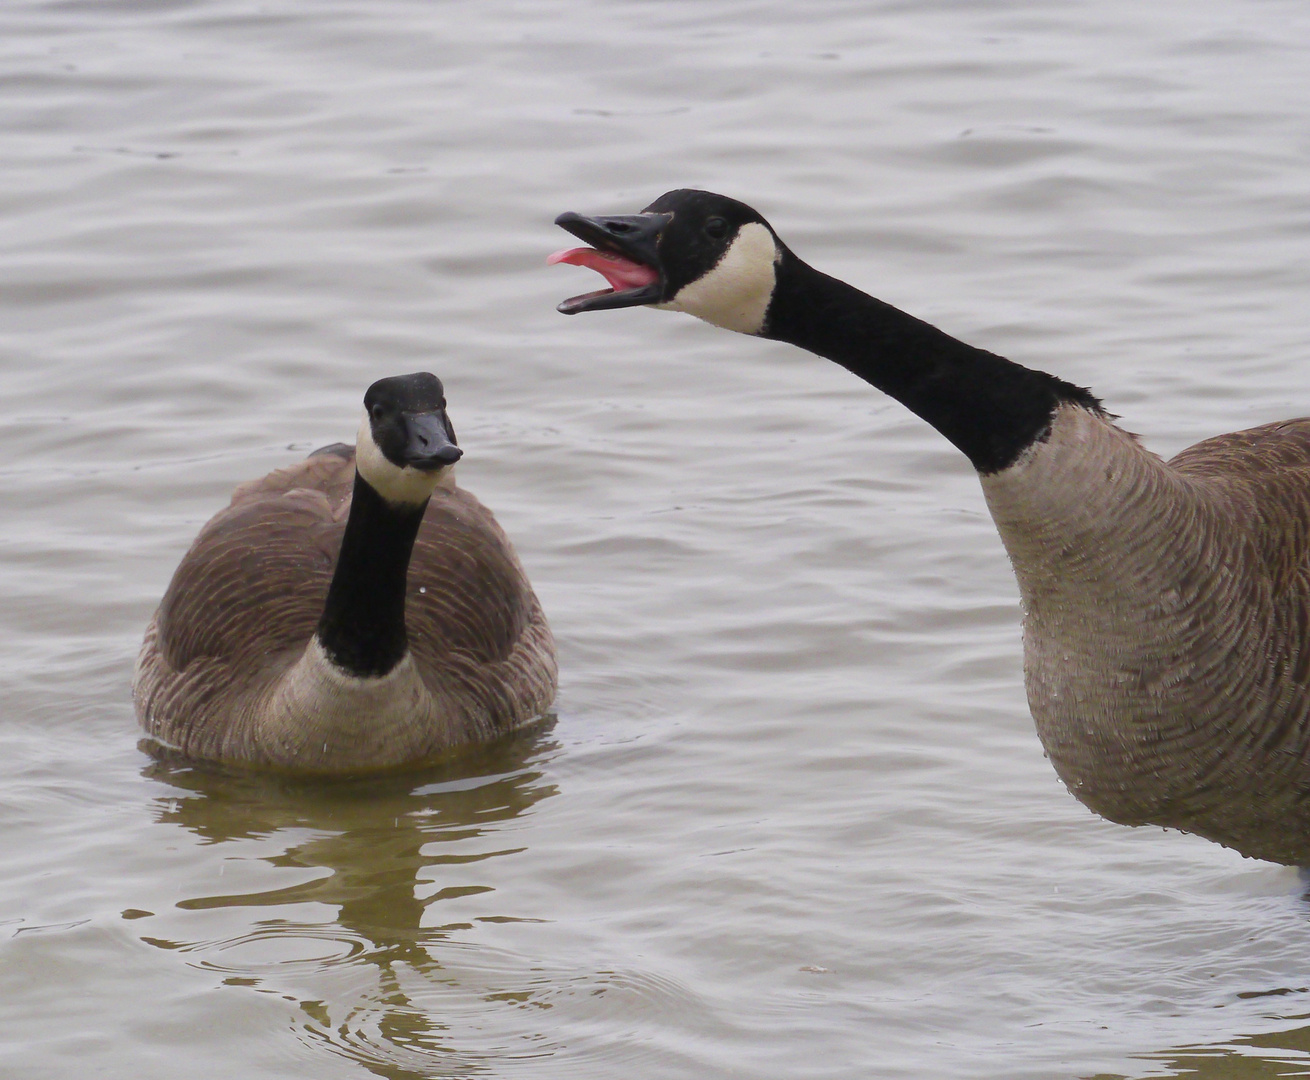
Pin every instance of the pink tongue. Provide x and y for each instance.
(621, 273)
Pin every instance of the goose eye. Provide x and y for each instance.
(716, 228)
(378, 411)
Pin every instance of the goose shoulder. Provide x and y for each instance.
(477, 631)
(329, 470)
(1258, 453)
(229, 599)
(1260, 481)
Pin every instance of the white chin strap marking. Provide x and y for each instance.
(392, 482)
(735, 294)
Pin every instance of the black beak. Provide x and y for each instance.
(634, 237)
(428, 445)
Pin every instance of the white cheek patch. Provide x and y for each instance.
(392, 482)
(735, 294)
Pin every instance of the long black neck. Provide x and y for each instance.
(989, 407)
(363, 623)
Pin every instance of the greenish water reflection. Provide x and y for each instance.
(1250, 1057)
(351, 943)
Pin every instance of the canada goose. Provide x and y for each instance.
(1166, 604)
(425, 636)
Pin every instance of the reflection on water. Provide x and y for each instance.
(360, 931)
(1255, 1057)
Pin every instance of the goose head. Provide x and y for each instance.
(406, 444)
(691, 251)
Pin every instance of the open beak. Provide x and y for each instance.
(625, 250)
(428, 445)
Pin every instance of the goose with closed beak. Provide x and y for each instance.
(354, 612)
(1166, 605)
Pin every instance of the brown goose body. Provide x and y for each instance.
(221, 672)
(1167, 625)
(1166, 605)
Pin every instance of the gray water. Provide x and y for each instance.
(791, 819)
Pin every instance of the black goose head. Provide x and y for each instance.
(693, 251)
(406, 439)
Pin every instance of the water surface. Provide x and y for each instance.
(791, 818)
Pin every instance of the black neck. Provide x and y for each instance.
(363, 623)
(989, 407)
